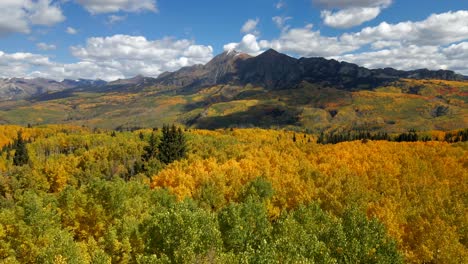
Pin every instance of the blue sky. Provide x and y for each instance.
(122, 38)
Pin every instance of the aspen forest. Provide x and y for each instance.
(70, 194)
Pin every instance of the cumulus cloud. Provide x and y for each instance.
(437, 29)
(309, 42)
(350, 13)
(19, 16)
(250, 26)
(110, 58)
(296, 41)
(350, 17)
(413, 57)
(43, 12)
(411, 45)
(248, 44)
(71, 31)
(132, 55)
(111, 6)
(45, 46)
(457, 51)
(19, 64)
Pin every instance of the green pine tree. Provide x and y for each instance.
(173, 145)
(21, 156)
(152, 149)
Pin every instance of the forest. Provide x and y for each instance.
(70, 194)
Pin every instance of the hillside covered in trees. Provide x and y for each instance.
(73, 195)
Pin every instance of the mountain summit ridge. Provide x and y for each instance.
(275, 70)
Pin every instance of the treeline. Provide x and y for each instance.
(410, 136)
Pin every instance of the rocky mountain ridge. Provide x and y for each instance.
(271, 70)
(274, 70)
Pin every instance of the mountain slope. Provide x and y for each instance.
(221, 69)
(269, 90)
(401, 105)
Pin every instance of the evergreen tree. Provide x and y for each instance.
(172, 146)
(21, 153)
(152, 149)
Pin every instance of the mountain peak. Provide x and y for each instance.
(271, 55)
(271, 52)
(231, 52)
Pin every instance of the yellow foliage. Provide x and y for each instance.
(398, 183)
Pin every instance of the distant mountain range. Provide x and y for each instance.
(271, 70)
(271, 90)
(274, 70)
(21, 88)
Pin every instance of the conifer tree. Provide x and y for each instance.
(21, 153)
(152, 149)
(172, 146)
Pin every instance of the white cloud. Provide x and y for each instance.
(457, 51)
(382, 44)
(45, 46)
(408, 58)
(280, 22)
(71, 31)
(110, 58)
(350, 13)
(307, 42)
(250, 26)
(159, 56)
(295, 41)
(350, 17)
(437, 29)
(20, 15)
(111, 6)
(248, 44)
(19, 64)
(112, 19)
(43, 12)
(132, 55)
